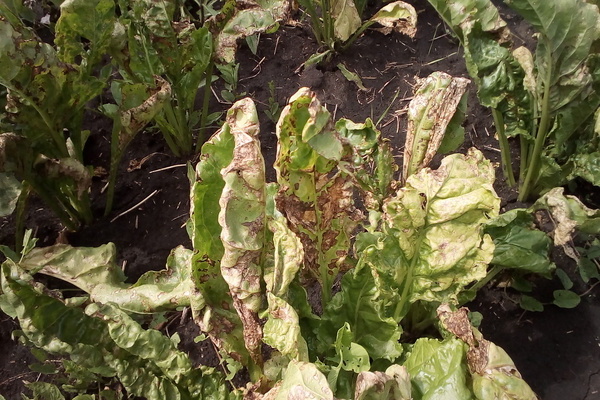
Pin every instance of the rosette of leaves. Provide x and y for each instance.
(336, 24)
(546, 99)
(258, 247)
(47, 90)
(163, 39)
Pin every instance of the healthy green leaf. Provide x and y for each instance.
(528, 303)
(361, 304)
(566, 299)
(438, 368)
(519, 244)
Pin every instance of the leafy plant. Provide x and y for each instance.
(336, 24)
(162, 39)
(547, 100)
(257, 247)
(47, 90)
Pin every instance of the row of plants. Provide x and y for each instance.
(394, 257)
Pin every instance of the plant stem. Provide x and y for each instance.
(356, 34)
(507, 169)
(540, 139)
(20, 216)
(495, 270)
(205, 104)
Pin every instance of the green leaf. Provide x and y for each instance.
(438, 368)
(45, 391)
(588, 269)
(351, 76)
(10, 189)
(564, 279)
(519, 244)
(361, 305)
(92, 20)
(566, 299)
(433, 106)
(528, 303)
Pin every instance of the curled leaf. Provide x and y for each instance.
(242, 219)
(433, 106)
(397, 17)
(393, 384)
(243, 19)
(494, 373)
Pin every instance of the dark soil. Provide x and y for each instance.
(557, 351)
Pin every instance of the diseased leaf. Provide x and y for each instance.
(302, 380)
(346, 19)
(493, 372)
(373, 165)
(106, 341)
(433, 106)
(393, 384)
(568, 214)
(95, 271)
(45, 391)
(282, 329)
(438, 220)
(398, 17)
(237, 22)
(242, 219)
(92, 20)
(216, 316)
(314, 196)
(10, 189)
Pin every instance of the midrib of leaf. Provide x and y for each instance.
(399, 313)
